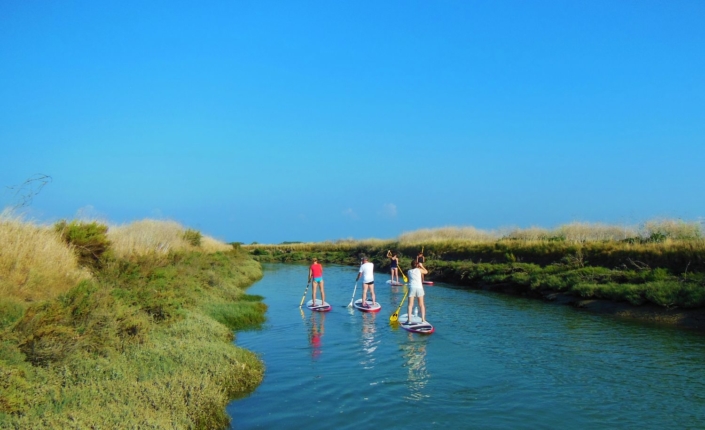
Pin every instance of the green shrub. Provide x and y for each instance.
(193, 237)
(90, 240)
(10, 311)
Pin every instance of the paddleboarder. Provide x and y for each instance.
(421, 259)
(368, 280)
(416, 289)
(394, 266)
(315, 274)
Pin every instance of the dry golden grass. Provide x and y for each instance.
(674, 229)
(525, 234)
(35, 264)
(586, 232)
(572, 232)
(150, 236)
(443, 234)
(210, 244)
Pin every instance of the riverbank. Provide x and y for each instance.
(143, 339)
(654, 281)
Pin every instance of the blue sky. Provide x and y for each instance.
(280, 121)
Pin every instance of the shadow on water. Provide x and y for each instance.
(495, 361)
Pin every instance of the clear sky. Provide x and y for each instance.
(276, 121)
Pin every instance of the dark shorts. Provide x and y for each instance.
(369, 283)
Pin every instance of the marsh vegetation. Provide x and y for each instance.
(122, 326)
(660, 262)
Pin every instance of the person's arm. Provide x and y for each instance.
(423, 269)
(310, 274)
(389, 253)
(358, 274)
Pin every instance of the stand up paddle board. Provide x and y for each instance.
(319, 306)
(428, 282)
(415, 326)
(371, 307)
(389, 281)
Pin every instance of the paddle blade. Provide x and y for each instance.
(394, 317)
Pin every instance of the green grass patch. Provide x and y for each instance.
(146, 344)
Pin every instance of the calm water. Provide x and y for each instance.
(495, 361)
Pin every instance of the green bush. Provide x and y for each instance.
(90, 240)
(193, 237)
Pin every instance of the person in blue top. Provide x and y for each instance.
(394, 266)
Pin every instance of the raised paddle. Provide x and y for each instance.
(395, 315)
(305, 291)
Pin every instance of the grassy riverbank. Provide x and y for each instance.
(662, 263)
(131, 328)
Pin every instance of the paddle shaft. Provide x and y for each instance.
(395, 315)
(305, 291)
(353, 296)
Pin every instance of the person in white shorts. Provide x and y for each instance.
(416, 289)
(368, 280)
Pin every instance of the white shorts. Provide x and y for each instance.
(416, 291)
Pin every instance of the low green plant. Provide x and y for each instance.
(89, 239)
(193, 237)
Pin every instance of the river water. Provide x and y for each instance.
(494, 362)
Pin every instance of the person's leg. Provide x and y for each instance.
(323, 293)
(372, 291)
(411, 306)
(423, 309)
(364, 294)
(315, 286)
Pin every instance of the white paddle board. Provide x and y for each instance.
(389, 281)
(371, 307)
(319, 306)
(415, 326)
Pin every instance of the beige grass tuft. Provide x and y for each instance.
(35, 264)
(150, 236)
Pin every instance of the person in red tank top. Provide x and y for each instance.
(315, 274)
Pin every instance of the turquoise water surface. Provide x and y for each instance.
(494, 362)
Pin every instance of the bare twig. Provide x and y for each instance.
(26, 191)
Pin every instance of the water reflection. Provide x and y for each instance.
(414, 353)
(315, 333)
(369, 343)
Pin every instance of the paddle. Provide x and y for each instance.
(353, 296)
(305, 291)
(406, 280)
(395, 315)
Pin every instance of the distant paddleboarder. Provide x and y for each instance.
(394, 266)
(368, 280)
